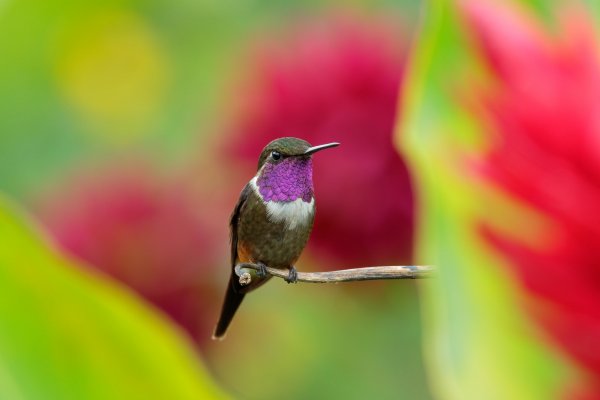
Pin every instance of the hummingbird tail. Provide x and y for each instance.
(232, 301)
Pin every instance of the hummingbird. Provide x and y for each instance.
(272, 219)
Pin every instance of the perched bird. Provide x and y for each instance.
(272, 219)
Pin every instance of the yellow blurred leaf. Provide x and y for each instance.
(114, 71)
(66, 333)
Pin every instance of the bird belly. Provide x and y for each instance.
(271, 241)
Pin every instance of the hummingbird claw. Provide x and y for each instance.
(292, 276)
(262, 271)
(245, 279)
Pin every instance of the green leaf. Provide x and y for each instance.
(479, 341)
(66, 333)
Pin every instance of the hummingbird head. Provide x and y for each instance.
(285, 170)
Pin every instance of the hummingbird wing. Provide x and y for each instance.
(233, 223)
(234, 295)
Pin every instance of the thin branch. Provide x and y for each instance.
(343, 275)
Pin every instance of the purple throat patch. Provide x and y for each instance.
(287, 180)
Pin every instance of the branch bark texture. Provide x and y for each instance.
(343, 275)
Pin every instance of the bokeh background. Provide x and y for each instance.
(470, 141)
(127, 129)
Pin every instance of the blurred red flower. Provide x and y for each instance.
(145, 233)
(338, 81)
(545, 107)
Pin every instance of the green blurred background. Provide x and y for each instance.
(469, 142)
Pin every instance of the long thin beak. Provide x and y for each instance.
(314, 149)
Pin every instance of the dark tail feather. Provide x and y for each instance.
(233, 299)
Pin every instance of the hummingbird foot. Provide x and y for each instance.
(262, 270)
(292, 276)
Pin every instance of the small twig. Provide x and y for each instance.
(343, 275)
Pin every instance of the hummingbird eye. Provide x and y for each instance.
(275, 155)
